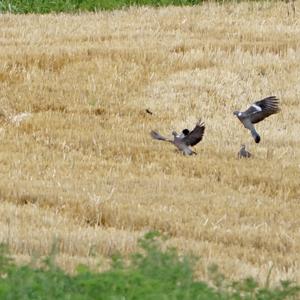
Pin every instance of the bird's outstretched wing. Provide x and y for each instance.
(196, 135)
(259, 110)
(155, 135)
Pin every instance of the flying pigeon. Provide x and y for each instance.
(243, 152)
(257, 112)
(185, 139)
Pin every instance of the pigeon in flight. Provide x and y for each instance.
(257, 112)
(185, 139)
(243, 153)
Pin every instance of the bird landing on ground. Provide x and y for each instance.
(185, 140)
(243, 153)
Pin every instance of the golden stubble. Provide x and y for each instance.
(78, 166)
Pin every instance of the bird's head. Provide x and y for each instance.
(185, 131)
(174, 133)
(236, 113)
(243, 146)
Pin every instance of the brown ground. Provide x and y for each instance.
(77, 161)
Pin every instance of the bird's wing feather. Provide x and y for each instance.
(196, 135)
(155, 135)
(261, 109)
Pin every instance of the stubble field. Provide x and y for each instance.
(79, 167)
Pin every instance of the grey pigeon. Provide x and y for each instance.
(243, 153)
(257, 112)
(184, 140)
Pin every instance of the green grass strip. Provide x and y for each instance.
(151, 273)
(73, 6)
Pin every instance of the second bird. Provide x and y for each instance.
(257, 112)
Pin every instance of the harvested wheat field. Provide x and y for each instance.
(79, 167)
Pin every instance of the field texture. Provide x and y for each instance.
(79, 168)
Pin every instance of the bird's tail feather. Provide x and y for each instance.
(255, 135)
(157, 136)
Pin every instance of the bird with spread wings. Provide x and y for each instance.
(257, 112)
(185, 140)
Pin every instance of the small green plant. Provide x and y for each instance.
(151, 273)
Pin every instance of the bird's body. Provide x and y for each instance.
(185, 140)
(257, 112)
(243, 153)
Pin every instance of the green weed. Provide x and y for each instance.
(151, 273)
